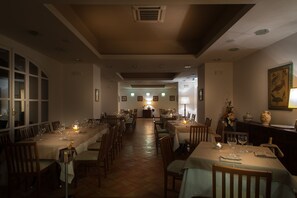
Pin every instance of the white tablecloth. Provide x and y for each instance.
(197, 178)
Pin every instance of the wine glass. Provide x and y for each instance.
(232, 141)
(242, 139)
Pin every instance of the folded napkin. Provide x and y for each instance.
(70, 172)
(231, 157)
(230, 161)
(264, 154)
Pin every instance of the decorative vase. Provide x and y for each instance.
(266, 118)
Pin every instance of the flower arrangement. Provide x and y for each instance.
(229, 116)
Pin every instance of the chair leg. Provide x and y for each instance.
(165, 185)
(173, 183)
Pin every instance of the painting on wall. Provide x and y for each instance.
(139, 98)
(96, 95)
(171, 98)
(124, 98)
(279, 84)
(155, 98)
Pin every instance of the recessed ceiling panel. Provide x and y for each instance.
(148, 76)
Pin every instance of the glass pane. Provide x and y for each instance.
(19, 118)
(44, 111)
(19, 86)
(19, 63)
(4, 58)
(4, 83)
(4, 114)
(43, 75)
(33, 83)
(33, 112)
(33, 69)
(44, 89)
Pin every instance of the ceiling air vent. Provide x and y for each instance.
(149, 13)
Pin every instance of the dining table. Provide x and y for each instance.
(50, 144)
(180, 130)
(197, 178)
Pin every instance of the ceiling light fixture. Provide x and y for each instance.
(261, 32)
(187, 67)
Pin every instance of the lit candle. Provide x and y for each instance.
(75, 128)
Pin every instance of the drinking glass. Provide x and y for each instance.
(232, 141)
(242, 139)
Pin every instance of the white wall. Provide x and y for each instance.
(109, 96)
(217, 82)
(251, 83)
(97, 85)
(162, 103)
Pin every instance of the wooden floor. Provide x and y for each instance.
(136, 172)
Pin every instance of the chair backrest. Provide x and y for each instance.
(102, 149)
(189, 115)
(166, 146)
(220, 127)
(46, 127)
(235, 134)
(4, 140)
(193, 116)
(21, 134)
(56, 125)
(22, 159)
(235, 182)
(198, 134)
(208, 122)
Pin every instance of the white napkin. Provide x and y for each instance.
(231, 157)
(229, 160)
(264, 154)
(70, 172)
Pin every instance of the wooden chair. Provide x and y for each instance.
(172, 167)
(46, 127)
(23, 163)
(219, 130)
(56, 125)
(208, 122)
(159, 133)
(235, 134)
(239, 182)
(193, 117)
(197, 135)
(4, 140)
(90, 159)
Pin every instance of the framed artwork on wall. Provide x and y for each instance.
(200, 94)
(279, 84)
(171, 98)
(124, 98)
(139, 98)
(155, 98)
(96, 95)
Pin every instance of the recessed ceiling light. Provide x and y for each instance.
(77, 60)
(233, 49)
(261, 32)
(187, 67)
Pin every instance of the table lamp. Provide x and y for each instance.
(185, 101)
(293, 101)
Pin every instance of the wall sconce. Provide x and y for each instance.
(293, 101)
(185, 101)
(132, 94)
(148, 94)
(162, 94)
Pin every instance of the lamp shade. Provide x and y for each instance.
(185, 100)
(293, 98)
